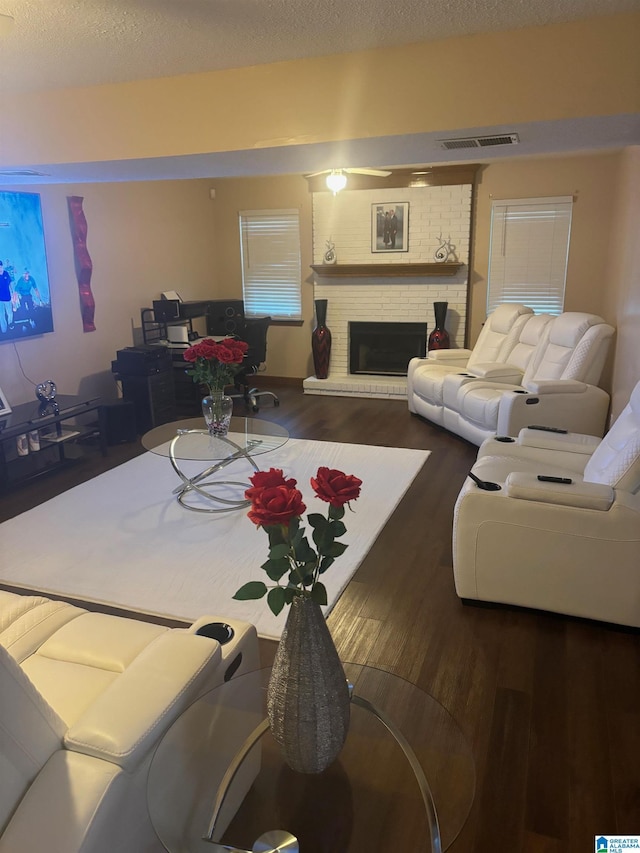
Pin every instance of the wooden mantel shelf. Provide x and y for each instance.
(378, 270)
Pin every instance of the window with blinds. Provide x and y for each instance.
(528, 253)
(271, 276)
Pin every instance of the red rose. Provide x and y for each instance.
(275, 506)
(194, 352)
(267, 480)
(206, 349)
(274, 500)
(190, 354)
(238, 349)
(234, 351)
(224, 355)
(335, 487)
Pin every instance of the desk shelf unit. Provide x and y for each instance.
(155, 331)
(187, 395)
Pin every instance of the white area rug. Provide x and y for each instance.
(123, 539)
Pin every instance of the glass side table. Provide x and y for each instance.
(187, 441)
(369, 799)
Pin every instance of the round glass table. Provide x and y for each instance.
(187, 441)
(371, 798)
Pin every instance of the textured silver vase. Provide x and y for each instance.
(308, 700)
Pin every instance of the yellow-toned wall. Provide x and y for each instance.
(289, 347)
(624, 289)
(145, 238)
(584, 68)
(593, 182)
(592, 179)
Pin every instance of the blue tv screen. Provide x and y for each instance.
(25, 297)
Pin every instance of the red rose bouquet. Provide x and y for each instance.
(215, 363)
(293, 564)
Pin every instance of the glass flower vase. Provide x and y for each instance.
(217, 409)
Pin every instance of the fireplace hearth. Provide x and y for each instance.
(385, 349)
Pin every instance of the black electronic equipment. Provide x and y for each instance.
(166, 310)
(225, 317)
(118, 421)
(142, 361)
(191, 310)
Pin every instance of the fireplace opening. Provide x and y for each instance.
(385, 349)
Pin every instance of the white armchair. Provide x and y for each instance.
(86, 699)
(559, 386)
(499, 335)
(569, 544)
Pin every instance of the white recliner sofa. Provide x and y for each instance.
(488, 359)
(85, 699)
(569, 544)
(525, 369)
(511, 372)
(559, 387)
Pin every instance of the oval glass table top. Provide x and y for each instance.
(251, 435)
(368, 800)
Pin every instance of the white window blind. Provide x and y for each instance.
(528, 252)
(271, 278)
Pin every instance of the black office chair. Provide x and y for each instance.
(255, 334)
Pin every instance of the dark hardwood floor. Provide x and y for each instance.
(550, 705)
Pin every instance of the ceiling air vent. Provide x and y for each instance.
(480, 141)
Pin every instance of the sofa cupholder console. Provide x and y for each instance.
(220, 631)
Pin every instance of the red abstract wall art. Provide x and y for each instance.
(84, 266)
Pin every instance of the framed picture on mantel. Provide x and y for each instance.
(390, 227)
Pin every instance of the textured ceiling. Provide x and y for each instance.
(57, 44)
(60, 43)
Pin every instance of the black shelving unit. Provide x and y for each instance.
(153, 398)
(187, 394)
(38, 438)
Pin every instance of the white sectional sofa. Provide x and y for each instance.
(549, 375)
(569, 544)
(85, 700)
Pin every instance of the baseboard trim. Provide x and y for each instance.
(259, 379)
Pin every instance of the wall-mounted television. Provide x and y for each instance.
(25, 297)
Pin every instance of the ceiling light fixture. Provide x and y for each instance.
(336, 180)
(6, 24)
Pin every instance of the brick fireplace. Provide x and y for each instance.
(408, 297)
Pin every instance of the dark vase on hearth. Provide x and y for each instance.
(439, 337)
(321, 341)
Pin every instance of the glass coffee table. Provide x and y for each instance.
(369, 799)
(187, 441)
